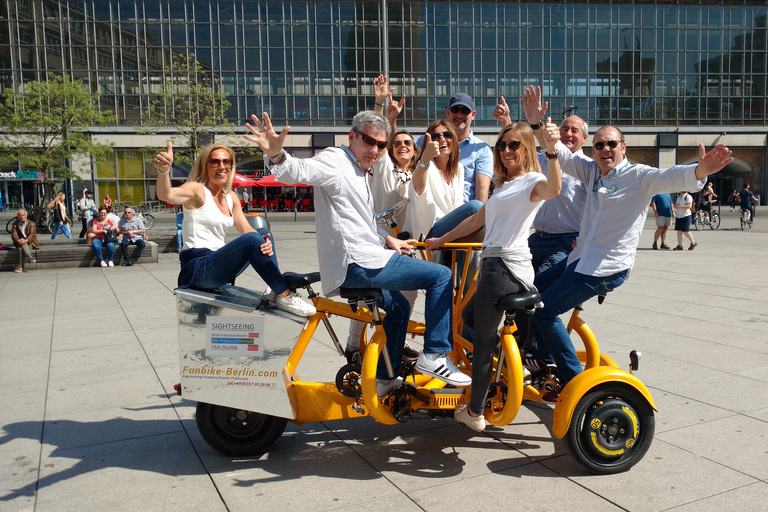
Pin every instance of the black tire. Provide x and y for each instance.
(9, 226)
(149, 221)
(714, 221)
(741, 221)
(237, 432)
(602, 437)
(698, 222)
(51, 227)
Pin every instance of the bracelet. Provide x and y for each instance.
(551, 156)
(422, 164)
(536, 126)
(379, 104)
(163, 173)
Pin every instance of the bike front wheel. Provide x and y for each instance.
(742, 222)
(237, 432)
(611, 429)
(9, 226)
(149, 221)
(698, 222)
(714, 221)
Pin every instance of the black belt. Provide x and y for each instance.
(556, 235)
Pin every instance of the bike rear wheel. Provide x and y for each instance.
(9, 226)
(714, 221)
(742, 222)
(698, 222)
(149, 221)
(237, 432)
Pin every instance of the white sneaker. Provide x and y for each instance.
(103, 263)
(384, 386)
(443, 369)
(293, 303)
(110, 264)
(269, 295)
(476, 423)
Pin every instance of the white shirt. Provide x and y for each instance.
(509, 213)
(682, 200)
(563, 213)
(616, 207)
(389, 186)
(435, 202)
(346, 230)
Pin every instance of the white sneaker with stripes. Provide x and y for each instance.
(440, 367)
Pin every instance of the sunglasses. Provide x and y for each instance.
(463, 110)
(502, 146)
(398, 143)
(370, 140)
(215, 162)
(446, 135)
(611, 144)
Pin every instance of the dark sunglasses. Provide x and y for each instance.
(463, 110)
(214, 162)
(446, 135)
(502, 146)
(370, 140)
(407, 142)
(611, 144)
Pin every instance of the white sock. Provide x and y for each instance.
(431, 357)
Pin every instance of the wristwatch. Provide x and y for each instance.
(551, 156)
(423, 165)
(536, 126)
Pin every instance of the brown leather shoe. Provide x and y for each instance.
(19, 270)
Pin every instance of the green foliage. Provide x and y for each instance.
(192, 102)
(44, 123)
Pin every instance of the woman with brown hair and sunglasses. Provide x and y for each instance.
(506, 259)
(436, 192)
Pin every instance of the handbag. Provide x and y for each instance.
(111, 236)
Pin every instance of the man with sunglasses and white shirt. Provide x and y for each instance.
(474, 154)
(618, 194)
(351, 249)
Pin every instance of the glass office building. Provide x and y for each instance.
(669, 73)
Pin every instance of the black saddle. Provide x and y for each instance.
(525, 300)
(296, 281)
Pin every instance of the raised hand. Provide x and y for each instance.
(264, 135)
(431, 148)
(551, 133)
(534, 111)
(163, 160)
(712, 161)
(501, 113)
(394, 108)
(380, 91)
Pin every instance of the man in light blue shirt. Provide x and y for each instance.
(475, 155)
(618, 194)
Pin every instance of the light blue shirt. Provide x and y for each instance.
(563, 213)
(477, 158)
(616, 207)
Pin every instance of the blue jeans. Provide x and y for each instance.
(223, 265)
(454, 218)
(404, 273)
(549, 250)
(64, 228)
(562, 289)
(97, 245)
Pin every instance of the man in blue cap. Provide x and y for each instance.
(475, 155)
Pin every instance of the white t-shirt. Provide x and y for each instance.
(509, 213)
(438, 199)
(682, 200)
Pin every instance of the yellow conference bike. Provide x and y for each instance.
(239, 359)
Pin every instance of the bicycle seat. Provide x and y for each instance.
(359, 293)
(518, 301)
(301, 280)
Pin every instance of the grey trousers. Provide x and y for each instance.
(482, 317)
(24, 250)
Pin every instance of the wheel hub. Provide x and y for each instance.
(611, 427)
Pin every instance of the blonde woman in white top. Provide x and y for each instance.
(210, 208)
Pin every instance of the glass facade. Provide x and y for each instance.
(638, 63)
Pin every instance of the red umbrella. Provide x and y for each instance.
(243, 181)
(271, 181)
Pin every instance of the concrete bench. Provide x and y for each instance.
(72, 253)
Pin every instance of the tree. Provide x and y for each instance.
(45, 123)
(191, 100)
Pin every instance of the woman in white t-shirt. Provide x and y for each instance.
(682, 209)
(505, 266)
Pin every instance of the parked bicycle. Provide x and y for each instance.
(44, 223)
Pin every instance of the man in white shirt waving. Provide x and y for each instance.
(351, 250)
